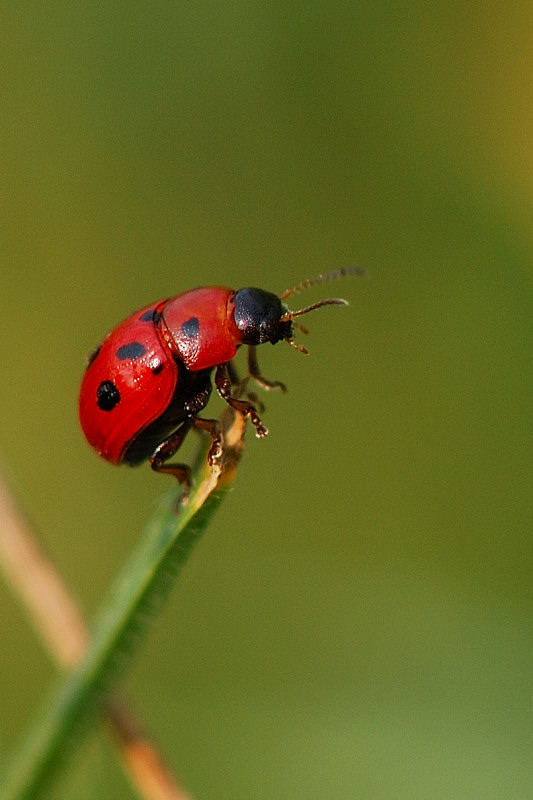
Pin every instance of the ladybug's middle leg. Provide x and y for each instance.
(223, 384)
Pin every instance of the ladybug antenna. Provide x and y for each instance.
(334, 275)
(331, 301)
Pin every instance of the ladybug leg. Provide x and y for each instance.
(255, 372)
(223, 384)
(166, 450)
(241, 386)
(212, 428)
(233, 375)
(182, 472)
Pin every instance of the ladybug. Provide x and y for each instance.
(146, 384)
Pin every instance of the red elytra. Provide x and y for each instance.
(146, 384)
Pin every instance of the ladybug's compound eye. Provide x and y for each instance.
(107, 396)
(258, 314)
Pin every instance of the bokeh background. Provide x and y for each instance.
(357, 622)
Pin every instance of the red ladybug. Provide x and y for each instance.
(145, 385)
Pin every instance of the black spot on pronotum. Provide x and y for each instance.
(157, 368)
(93, 355)
(132, 350)
(107, 396)
(191, 328)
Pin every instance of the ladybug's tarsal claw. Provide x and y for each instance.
(215, 453)
(269, 385)
(261, 431)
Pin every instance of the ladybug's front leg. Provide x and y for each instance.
(240, 387)
(255, 372)
(223, 384)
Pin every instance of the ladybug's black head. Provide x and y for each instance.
(260, 317)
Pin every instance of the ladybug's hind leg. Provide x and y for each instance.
(164, 451)
(223, 384)
(172, 444)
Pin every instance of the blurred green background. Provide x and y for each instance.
(375, 641)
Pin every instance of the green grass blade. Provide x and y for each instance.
(142, 585)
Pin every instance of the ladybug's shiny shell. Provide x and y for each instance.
(146, 384)
(128, 384)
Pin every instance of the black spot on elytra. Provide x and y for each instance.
(191, 328)
(93, 355)
(132, 350)
(107, 396)
(152, 315)
(157, 368)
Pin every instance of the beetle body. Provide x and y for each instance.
(146, 384)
